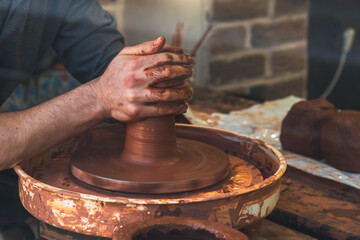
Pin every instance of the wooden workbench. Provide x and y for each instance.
(309, 207)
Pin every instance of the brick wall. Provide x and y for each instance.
(257, 47)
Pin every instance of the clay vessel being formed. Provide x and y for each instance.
(153, 160)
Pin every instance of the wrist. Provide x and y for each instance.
(96, 99)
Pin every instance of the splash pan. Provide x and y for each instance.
(48, 190)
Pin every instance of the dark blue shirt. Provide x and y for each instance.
(82, 34)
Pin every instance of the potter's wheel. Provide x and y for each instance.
(195, 165)
(250, 192)
(150, 159)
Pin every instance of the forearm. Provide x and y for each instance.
(136, 80)
(26, 133)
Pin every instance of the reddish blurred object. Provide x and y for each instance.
(201, 40)
(340, 141)
(177, 38)
(301, 128)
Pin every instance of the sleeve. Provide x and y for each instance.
(87, 40)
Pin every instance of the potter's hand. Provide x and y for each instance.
(145, 80)
(151, 47)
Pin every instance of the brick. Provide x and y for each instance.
(290, 60)
(271, 91)
(249, 66)
(228, 39)
(276, 33)
(239, 9)
(290, 7)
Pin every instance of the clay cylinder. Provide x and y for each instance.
(150, 141)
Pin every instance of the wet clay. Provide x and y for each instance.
(56, 173)
(152, 160)
(302, 127)
(340, 141)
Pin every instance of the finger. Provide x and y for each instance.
(169, 48)
(166, 76)
(140, 111)
(181, 93)
(163, 109)
(153, 95)
(167, 58)
(171, 83)
(171, 108)
(145, 48)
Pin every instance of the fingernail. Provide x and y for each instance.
(190, 59)
(157, 41)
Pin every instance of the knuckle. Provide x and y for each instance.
(161, 58)
(119, 116)
(166, 71)
(167, 96)
(166, 57)
(158, 72)
(157, 94)
(130, 81)
(131, 97)
(170, 56)
(142, 50)
(133, 110)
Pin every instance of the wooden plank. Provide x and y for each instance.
(318, 207)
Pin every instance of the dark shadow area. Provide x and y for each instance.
(328, 21)
(186, 234)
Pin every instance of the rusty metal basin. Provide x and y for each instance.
(51, 194)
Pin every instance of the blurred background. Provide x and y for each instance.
(259, 49)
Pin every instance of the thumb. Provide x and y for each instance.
(145, 48)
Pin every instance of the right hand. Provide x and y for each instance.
(139, 84)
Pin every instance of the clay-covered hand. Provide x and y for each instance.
(145, 80)
(151, 47)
